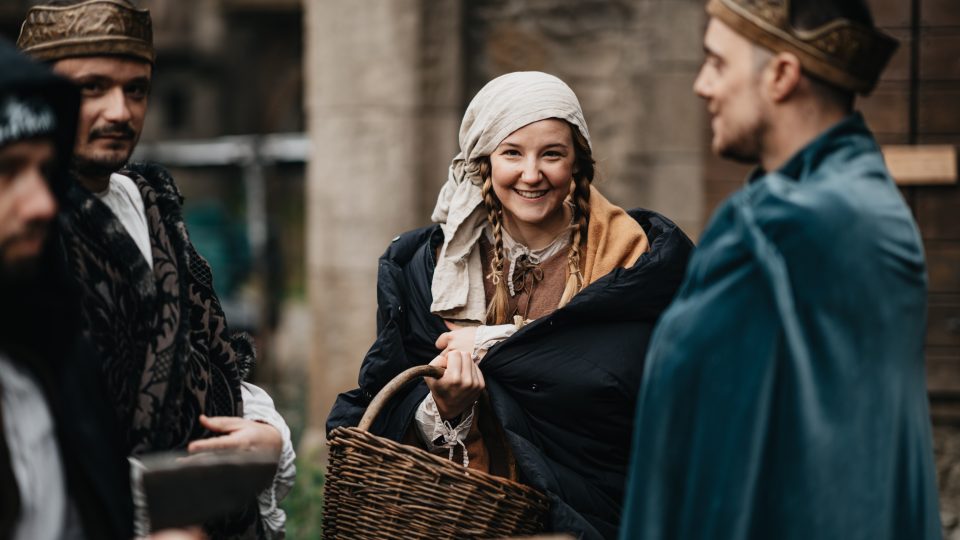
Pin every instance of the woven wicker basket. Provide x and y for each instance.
(378, 489)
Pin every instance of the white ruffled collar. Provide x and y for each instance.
(513, 250)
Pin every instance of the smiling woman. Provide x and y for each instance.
(537, 295)
(530, 173)
(526, 180)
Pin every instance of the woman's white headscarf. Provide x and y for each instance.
(503, 106)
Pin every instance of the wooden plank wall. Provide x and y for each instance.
(937, 209)
(916, 102)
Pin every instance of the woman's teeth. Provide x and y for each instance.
(531, 194)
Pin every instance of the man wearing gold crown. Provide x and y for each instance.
(174, 371)
(784, 393)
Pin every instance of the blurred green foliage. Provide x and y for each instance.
(304, 505)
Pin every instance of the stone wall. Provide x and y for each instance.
(383, 104)
(632, 64)
(946, 447)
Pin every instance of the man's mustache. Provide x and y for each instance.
(113, 131)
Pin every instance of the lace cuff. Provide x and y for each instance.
(259, 407)
(437, 433)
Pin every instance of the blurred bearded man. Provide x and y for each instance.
(174, 371)
(62, 474)
(784, 394)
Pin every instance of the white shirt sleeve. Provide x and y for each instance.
(488, 336)
(30, 434)
(435, 432)
(438, 434)
(258, 406)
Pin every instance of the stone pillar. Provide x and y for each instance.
(382, 84)
(672, 134)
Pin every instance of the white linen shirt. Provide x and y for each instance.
(34, 457)
(123, 199)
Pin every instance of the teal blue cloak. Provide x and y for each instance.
(784, 393)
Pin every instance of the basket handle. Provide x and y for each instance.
(392, 388)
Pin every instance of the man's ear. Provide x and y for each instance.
(782, 76)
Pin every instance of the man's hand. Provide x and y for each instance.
(458, 339)
(459, 388)
(240, 434)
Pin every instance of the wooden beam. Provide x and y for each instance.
(920, 165)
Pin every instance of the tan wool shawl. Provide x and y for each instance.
(614, 239)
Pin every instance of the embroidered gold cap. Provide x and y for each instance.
(92, 28)
(842, 52)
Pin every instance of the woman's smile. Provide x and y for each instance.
(531, 195)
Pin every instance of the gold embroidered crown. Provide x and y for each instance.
(96, 27)
(849, 55)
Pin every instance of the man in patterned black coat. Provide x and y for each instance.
(173, 369)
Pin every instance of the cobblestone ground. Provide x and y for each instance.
(946, 441)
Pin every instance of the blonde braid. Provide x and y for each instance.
(580, 194)
(499, 304)
(581, 218)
